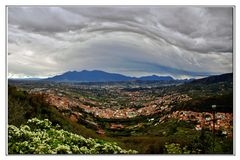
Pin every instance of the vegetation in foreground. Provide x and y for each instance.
(40, 137)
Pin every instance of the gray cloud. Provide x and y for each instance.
(179, 41)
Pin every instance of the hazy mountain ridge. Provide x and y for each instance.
(101, 76)
(156, 78)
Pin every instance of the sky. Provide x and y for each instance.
(182, 42)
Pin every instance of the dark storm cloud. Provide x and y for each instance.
(197, 29)
(177, 41)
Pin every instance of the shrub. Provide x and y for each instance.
(40, 137)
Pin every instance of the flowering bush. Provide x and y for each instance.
(40, 137)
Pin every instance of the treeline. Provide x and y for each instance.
(224, 103)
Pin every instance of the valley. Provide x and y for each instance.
(141, 110)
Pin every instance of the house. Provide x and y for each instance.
(116, 126)
(100, 131)
(198, 127)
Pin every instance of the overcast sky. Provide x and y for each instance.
(135, 41)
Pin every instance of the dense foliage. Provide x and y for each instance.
(176, 149)
(40, 137)
(204, 104)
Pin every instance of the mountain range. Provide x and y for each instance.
(101, 76)
(227, 77)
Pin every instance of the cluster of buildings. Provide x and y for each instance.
(65, 103)
(60, 101)
(223, 121)
(153, 107)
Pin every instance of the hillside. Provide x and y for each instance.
(228, 77)
(23, 106)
